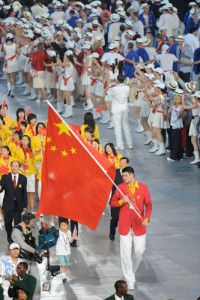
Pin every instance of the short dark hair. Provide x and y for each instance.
(89, 129)
(64, 220)
(7, 148)
(126, 158)
(130, 46)
(129, 170)
(31, 117)
(5, 106)
(118, 284)
(120, 78)
(24, 123)
(24, 264)
(192, 29)
(37, 127)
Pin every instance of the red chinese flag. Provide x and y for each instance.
(28, 111)
(73, 184)
(4, 103)
(42, 130)
(46, 225)
(76, 128)
(4, 169)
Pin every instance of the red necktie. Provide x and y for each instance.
(14, 182)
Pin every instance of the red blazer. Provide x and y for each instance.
(38, 60)
(127, 216)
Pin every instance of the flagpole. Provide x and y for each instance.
(100, 166)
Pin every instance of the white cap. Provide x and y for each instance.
(114, 17)
(58, 4)
(9, 36)
(95, 22)
(160, 85)
(158, 70)
(193, 11)
(119, 2)
(95, 54)
(192, 4)
(14, 246)
(143, 5)
(179, 38)
(164, 48)
(59, 33)
(86, 46)
(150, 76)
(150, 66)
(79, 4)
(69, 52)
(112, 45)
(79, 20)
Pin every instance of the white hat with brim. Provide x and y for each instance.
(188, 86)
(86, 46)
(160, 85)
(131, 8)
(192, 4)
(88, 7)
(69, 52)
(114, 18)
(139, 41)
(178, 92)
(51, 53)
(112, 46)
(95, 55)
(128, 23)
(173, 85)
(150, 76)
(79, 4)
(98, 38)
(179, 38)
(130, 33)
(9, 36)
(79, 20)
(14, 246)
(146, 41)
(158, 70)
(150, 66)
(144, 5)
(196, 94)
(88, 35)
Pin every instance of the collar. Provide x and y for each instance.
(118, 298)
(136, 185)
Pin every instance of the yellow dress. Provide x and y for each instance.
(96, 132)
(115, 160)
(36, 146)
(2, 162)
(5, 134)
(13, 147)
(8, 121)
(20, 156)
(28, 131)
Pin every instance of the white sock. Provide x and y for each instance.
(9, 85)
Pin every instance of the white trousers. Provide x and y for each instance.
(120, 120)
(131, 243)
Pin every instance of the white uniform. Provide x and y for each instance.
(166, 63)
(193, 124)
(59, 73)
(166, 21)
(120, 94)
(159, 118)
(67, 82)
(86, 77)
(113, 77)
(11, 61)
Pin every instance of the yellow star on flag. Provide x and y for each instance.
(53, 148)
(73, 150)
(63, 128)
(64, 153)
(48, 139)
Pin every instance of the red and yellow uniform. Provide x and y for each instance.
(5, 134)
(8, 121)
(38, 147)
(30, 130)
(8, 164)
(16, 123)
(95, 135)
(115, 160)
(13, 146)
(27, 160)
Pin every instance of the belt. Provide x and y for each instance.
(164, 117)
(167, 71)
(66, 79)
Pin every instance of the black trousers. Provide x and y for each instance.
(114, 219)
(169, 132)
(9, 217)
(176, 147)
(184, 76)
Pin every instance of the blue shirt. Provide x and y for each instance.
(129, 69)
(196, 68)
(72, 22)
(172, 50)
(143, 54)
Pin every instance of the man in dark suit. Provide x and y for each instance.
(15, 198)
(124, 162)
(121, 291)
(23, 281)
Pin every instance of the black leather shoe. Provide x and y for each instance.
(111, 237)
(73, 244)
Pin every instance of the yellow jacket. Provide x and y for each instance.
(19, 156)
(116, 160)
(15, 124)
(8, 121)
(36, 146)
(39, 175)
(2, 162)
(29, 132)
(96, 132)
(12, 146)
(5, 134)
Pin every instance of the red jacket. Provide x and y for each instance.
(38, 60)
(127, 216)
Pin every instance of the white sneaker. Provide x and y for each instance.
(140, 129)
(26, 92)
(119, 147)
(160, 152)
(154, 149)
(89, 105)
(130, 146)
(170, 159)
(38, 101)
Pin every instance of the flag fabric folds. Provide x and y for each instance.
(73, 184)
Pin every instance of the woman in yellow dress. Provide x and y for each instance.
(112, 154)
(5, 160)
(7, 119)
(31, 127)
(28, 168)
(96, 144)
(15, 143)
(5, 132)
(20, 114)
(89, 122)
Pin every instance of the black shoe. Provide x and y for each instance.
(9, 93)
(64, 280)
(12, 96)
(74, 244)
(111, 237)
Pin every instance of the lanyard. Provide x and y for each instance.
(65, 239)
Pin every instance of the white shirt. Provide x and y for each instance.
(166, 21)
(138, 27)
(192, 40)
(176, 122)
(117, 298)
(119, 95)
(39, 10)
(58, 15)
(113, 31)
(63, 244)
(166, 61)
(17, 177)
